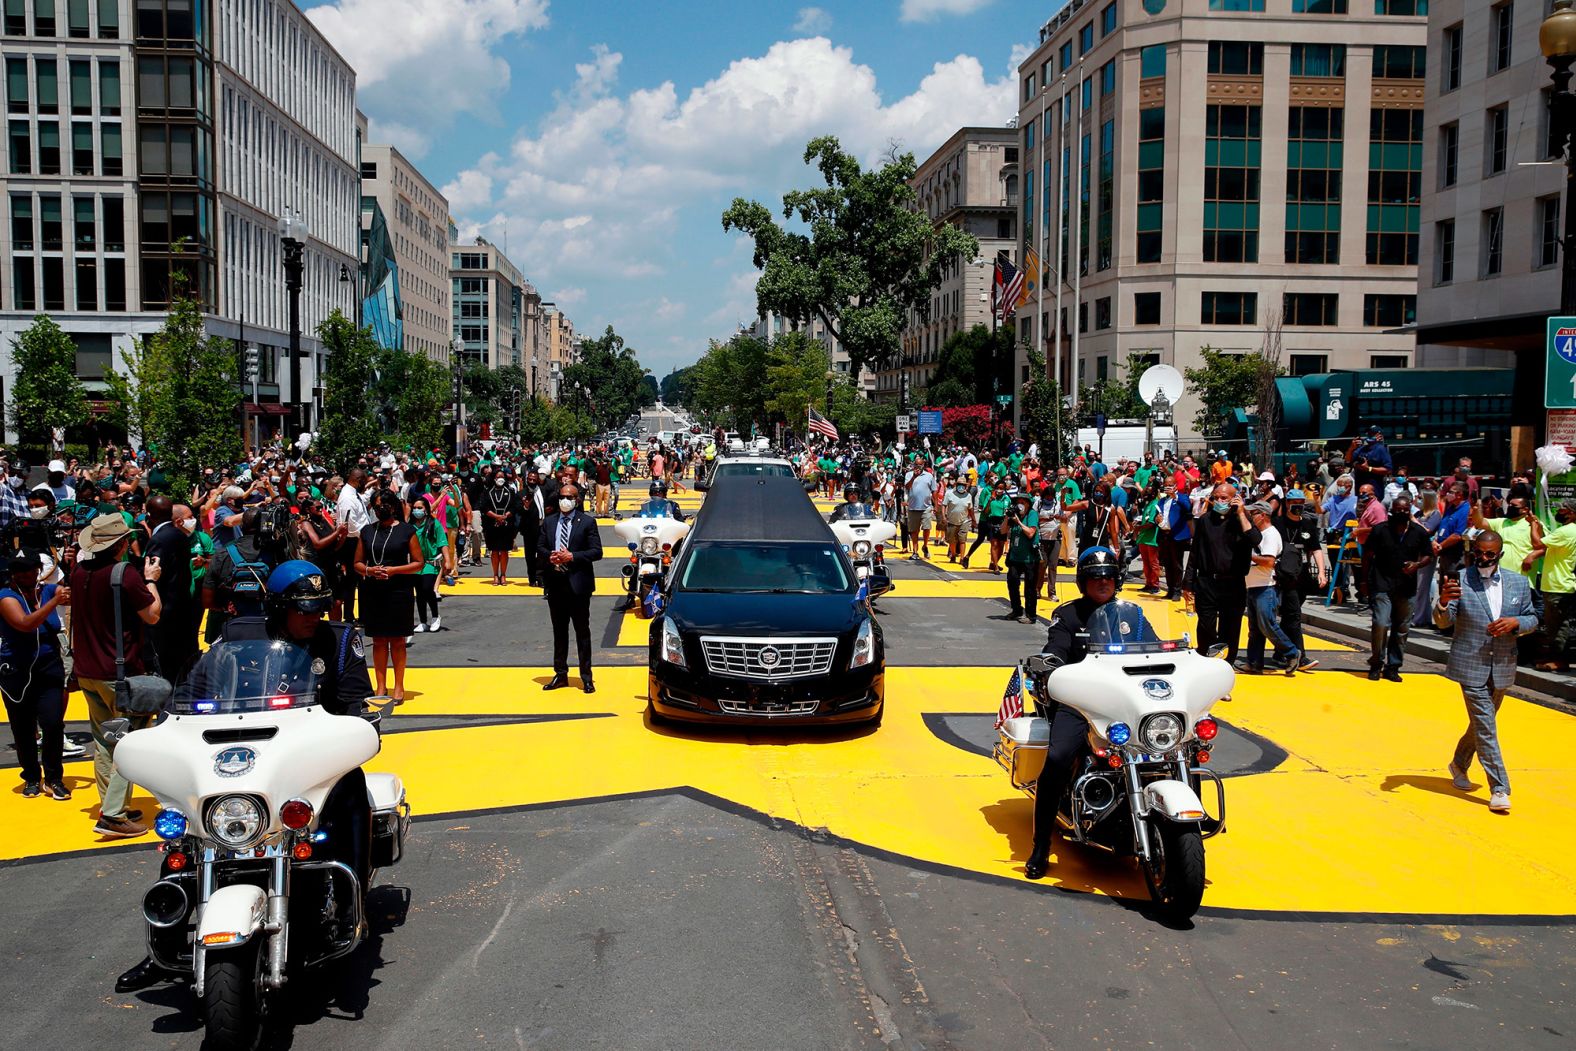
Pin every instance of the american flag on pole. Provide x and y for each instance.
(1012, 280)
(1012, 699)
(821, 425)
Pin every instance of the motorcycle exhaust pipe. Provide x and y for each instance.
(1096, 793)
(628, 569)
(165, 904)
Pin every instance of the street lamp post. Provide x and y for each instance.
(293, 232)
(1557, 41)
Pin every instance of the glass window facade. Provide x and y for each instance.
(1236, 58)
(1310, 309)
(1318, 60)
(1314, 159)
(1146, 308)
(1389, 311)
(1229, 308)
(1107, 195)
(1151, 183)
(1395, 183)
(1232, 159)
(1400, 62)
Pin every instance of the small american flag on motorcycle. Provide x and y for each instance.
(1012, 700)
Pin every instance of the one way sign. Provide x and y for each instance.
(1559, 390)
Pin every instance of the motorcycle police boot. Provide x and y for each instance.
(1039, 861)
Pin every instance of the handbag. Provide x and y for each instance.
(134, 694)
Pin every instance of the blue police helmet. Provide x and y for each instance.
(1097, 563)
(300, 585)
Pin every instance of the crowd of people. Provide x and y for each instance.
(381, 532)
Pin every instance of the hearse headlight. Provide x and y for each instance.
(864, 646)
(672, 644)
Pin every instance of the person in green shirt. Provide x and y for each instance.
(433, 539)
(993, 506)
(1559, 588)
(1020, 528)
(1522, 534)
(1070, 493)
(1149, 544)
(1144, 473)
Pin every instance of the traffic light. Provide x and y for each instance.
(252, 361)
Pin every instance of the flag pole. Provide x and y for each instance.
(1061, 254)
(1040, 207)
(1078, 219)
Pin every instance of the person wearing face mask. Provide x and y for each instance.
(500, 524)
(57, 484)
(13, 504)
(1397, 485)
(1450, 541)
(1558, 584)
(568, 548)
(1215, 584)
(433, 540)
(174, 637)
(1521, 532)
(1394, 552)
(1488, 609)
(388, 556)
(1302, 569)
(957, 515)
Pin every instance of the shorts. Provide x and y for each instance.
(955, 532)
(476, 521)
(920, 521)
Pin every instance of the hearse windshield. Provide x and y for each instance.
(758, 567)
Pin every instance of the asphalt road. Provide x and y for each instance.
(677, 918)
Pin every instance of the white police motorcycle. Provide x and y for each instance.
(1136, 789)
(652, 543)
(865, 541)
(271, 831)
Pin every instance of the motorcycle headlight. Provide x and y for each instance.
(864, 647)
(672, 644)
(861, 549)
(648, 545)
(1161, 733)
(236, 821)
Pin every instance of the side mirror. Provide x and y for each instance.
(115, 729)
(1219, 649)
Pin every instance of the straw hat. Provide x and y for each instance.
(103, 533)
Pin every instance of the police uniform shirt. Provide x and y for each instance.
(1063, 639)
(342, 688)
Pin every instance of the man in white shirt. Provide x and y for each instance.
(1264, 598)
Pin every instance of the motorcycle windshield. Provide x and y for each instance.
(1121, 627)
(252, 676)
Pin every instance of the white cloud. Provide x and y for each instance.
(618, 185)
(422, 63)
(567, 297)
(813, 20)
(930, 10)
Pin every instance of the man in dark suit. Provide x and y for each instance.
(568, 545)
(533, 508)
(1489, 608)
(174, 637)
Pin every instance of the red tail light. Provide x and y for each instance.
(296, 814)
(1206, 729)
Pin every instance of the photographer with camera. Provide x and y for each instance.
(1021, 528)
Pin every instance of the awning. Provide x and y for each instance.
(265, 409)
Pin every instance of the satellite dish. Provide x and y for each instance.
(1160, 379)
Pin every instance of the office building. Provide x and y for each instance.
(1219, 168)
(497, 314)
(558, 339)
(416, 218)
(1493, 189)
(172, 136)
(971, 182)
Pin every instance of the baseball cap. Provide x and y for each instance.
(1259, 507)
(57, 466)
(1296, 494)
(1266, 476)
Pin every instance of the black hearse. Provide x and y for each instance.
(764, 620)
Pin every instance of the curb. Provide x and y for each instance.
(1436, 649)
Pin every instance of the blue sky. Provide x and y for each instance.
(607, 137)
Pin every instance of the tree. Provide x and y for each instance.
(1222, 383)
(678, 386)
(796, 368)
(969, 424)
(853, 413)
(612, 376)
(1117, 400)
(1266, 400)
(870, 255)
(415, 393)
(1040, 412)
(349, 376)
(187, 398)
(973, 367)
(730, 382)
(46, 392)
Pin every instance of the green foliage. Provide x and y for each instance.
(868, 258)
(796, 368)
(678, 386)
(1040, 415)
(853, 413)
(181, 394)
(730, 383)
(349, 376)
(611, 373)
(973, 367)
(46, 393)
(1117, 399)
(1222, 383)
(416, 393)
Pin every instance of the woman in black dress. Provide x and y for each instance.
(388, 556)
(500, 506)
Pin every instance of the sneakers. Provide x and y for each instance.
(118, 828)
(57, 791)
(1459, 778)
(32, 789)
(437, 622)
(1293, 664)
(69, 749)
(1307, 664)
(1499, 802)
(421, 628)
(1392, 674)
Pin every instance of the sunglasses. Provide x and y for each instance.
(1486, 558)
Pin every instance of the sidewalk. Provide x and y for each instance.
(1431, 646)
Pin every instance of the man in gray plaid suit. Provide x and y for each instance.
(1489, 608)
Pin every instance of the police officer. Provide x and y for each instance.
(298, 596)
(1097, 575)
(854, 508)
(659, 506)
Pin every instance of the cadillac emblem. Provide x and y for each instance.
(234, 762)
(769, 657)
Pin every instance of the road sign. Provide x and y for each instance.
(929, 421)
(1004, 399)
(1559, 388)
(904, 424)
(1099, 423)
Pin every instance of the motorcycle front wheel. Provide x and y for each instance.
(232, 998)
(1175, 870)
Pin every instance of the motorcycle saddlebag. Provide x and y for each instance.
(390, 818)
(1021, 749)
